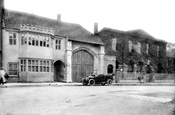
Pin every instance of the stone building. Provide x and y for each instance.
(171, 60)
(131, 50)
(39, 49)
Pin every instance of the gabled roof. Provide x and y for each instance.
(76, 32)
(137, 32)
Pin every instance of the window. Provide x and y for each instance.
(139, 47)
(57, 44)
(114, 43)
(29, 65)
(35, 65)
(36, 37)
(158, 50)
(47, 41)
(130, 45)
(22, 39)
(12, 38)
(33, 40)
(147, 48)
(44, 41)
(41, 40)
(23, 65)
(13, 68)
(30, 40)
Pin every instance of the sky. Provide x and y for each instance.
(156, 17)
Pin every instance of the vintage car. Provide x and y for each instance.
(98, 79)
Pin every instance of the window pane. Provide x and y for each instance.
(33, 68)
(33, 62)
(44, 62)
(29, 68)
(36, 42)
(47, 63)
(36, 68)
(41, 69)
(29, 62)
(47, 69)
(44, 69)
(14, 41)
(14, 35)
(24, 62)
(10, 41)
(36, 62)
(21, 68)
(24, 68)
(21, 61)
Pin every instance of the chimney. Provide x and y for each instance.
(95, 27)
(59, 17)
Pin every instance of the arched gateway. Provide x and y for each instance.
(59, 70)
(82, 65)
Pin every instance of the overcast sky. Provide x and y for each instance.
(156, 17)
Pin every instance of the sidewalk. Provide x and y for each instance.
(122, 83)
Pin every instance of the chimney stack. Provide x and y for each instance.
(95, 27)
(59, 17)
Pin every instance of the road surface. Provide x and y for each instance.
(87, 100)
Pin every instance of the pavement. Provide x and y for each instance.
(121, 83)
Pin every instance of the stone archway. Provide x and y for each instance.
(59, 71)
(82, 64)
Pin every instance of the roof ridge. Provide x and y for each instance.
(29, 14)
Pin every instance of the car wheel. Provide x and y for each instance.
(103, 83)
(84, 83)
(91, 82)
(109, 81)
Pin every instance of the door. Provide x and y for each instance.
(82, 65)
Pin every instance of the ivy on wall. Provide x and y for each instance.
(122, 49)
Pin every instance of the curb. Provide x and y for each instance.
(80, 84)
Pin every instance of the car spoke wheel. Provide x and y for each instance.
(109, 81)
(91, 82)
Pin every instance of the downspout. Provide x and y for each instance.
(1, 27)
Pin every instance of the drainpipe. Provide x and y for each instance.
(1, 32)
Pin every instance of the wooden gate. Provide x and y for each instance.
(82, 65)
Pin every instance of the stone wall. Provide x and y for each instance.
(134, 76)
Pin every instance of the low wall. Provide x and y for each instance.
(154, 77)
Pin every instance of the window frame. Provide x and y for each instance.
(12, 38)
(13, 70)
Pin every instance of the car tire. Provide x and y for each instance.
(91, 82)
(109, 81)
(103, 83)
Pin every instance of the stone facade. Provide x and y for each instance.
(37, 53)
